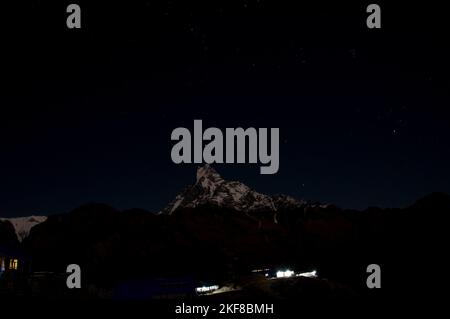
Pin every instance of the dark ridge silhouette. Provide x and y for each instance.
(211, 242)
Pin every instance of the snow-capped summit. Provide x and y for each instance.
(209, 179)
(23, 225)
(211, 188)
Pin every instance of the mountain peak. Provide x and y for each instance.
(211, 189)
(207, 172)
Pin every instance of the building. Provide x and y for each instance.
(14, 270)
(13, 260)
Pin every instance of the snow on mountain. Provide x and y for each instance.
(211, 188)
(23, 225)
(282, 201)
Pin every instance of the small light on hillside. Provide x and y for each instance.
(285, 274)
(311, 274)
(206, 289)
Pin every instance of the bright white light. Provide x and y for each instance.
(285, 274)
(206, 288)
(311, 274)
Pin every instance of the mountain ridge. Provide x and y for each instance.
(23, 225)
(211, 188)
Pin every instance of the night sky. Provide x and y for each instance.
(86, 115)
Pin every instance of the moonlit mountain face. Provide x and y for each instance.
(23, 225)
(211, 189)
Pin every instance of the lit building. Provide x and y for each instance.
(12, 260)
(285, 273)
(310, 274)
(206, 289)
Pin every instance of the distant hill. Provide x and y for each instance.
(223, 230)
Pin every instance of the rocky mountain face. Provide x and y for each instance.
(211, 189)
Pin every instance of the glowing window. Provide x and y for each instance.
(13, 263)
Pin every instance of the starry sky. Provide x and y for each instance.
(86, 115)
